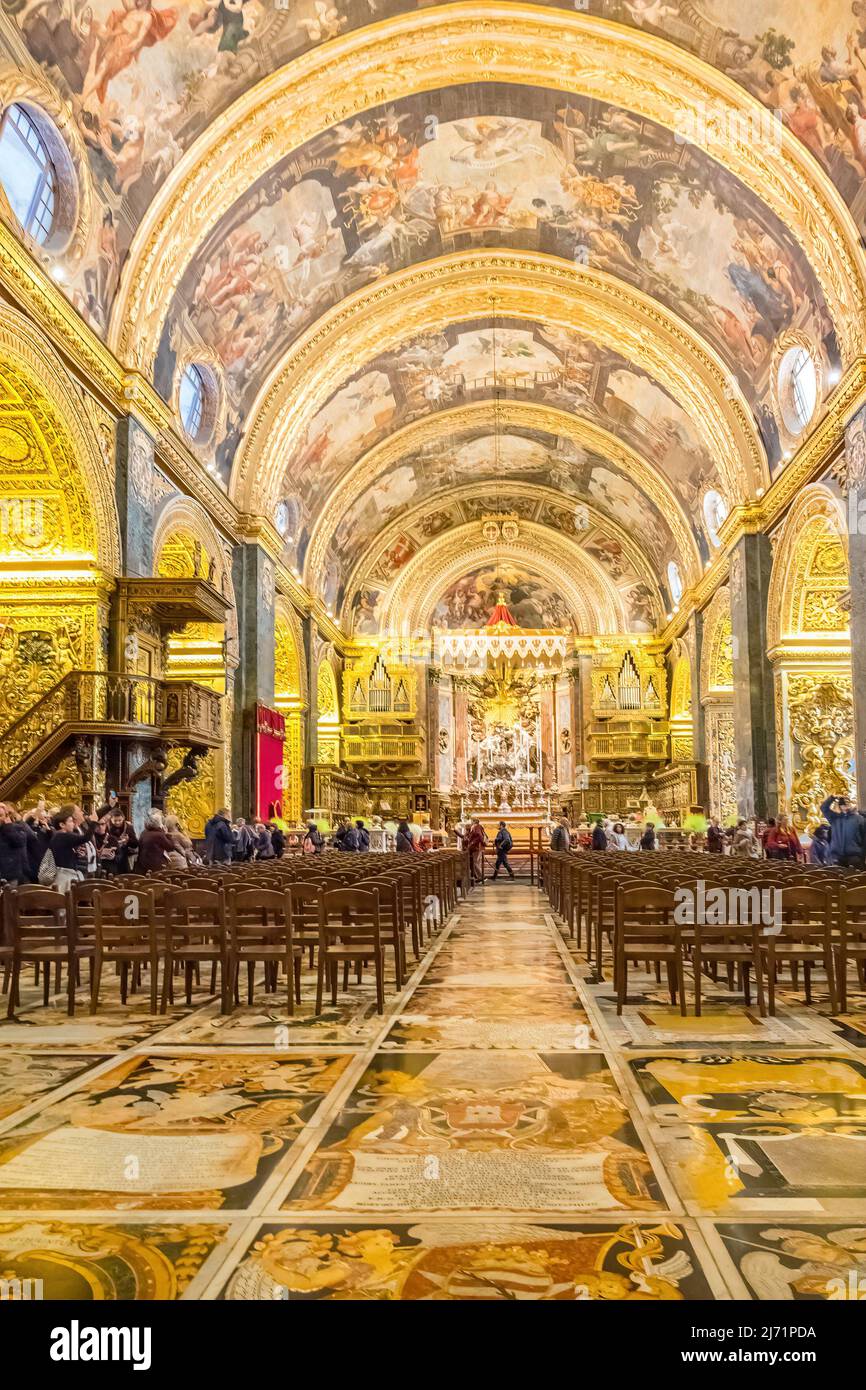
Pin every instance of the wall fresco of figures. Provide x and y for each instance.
(494, 165)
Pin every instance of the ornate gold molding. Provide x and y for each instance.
(481, 42)
(511, 414)
(453, 289)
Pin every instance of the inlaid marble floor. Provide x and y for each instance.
(498, 1134)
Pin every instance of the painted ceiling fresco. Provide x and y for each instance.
(469, 601)
(493, 165)
(146, 78)
(534, 362)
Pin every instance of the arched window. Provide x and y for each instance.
(27, 173)
(191, 401)
(798, 389)
(675, 581)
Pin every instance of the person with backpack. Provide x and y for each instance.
(351, 840)
(219, 838)
(363, 837)
(648, 838)
(313, 842)
(502, 844)
(599, 838)
(403, 841)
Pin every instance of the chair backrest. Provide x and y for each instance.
(255, 913)
(353, 908)
(124, 916)
(806, 913)
(37, 916)
(646, 910)
(194, 912)
(852, 910)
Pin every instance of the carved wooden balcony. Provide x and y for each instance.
(108, 704)
(402, 748)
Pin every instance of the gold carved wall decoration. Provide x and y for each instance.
(328, 707)
(52, 468)
(195, 801)
(821, 718)
(717, 656)
(722, 760)
(415, 52)
(810, 572)
(453, 289)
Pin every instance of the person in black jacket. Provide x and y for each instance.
(278, 839)
(67, 845)
(502, 844)
(14, 858)
(599, 839)
(403, 840)
(561, 838)
(219, 838)
(115, 842)
(363, 836)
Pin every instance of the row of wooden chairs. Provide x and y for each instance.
(225, 917)
(642, 907)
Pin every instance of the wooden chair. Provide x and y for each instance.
(804, 937)
(645, 929)
(195, 934)
(305, 915)
(851, 943)
(355, 935)
(41, 934)
(125, 932)
(260, 929)
(390, 912)
(730, 944)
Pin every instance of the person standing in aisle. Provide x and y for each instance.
(502, 844)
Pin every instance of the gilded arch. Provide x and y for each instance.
(810, 571)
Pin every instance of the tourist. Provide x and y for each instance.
(314, 841)
(115, 841)
(154, 846)
(263, 847)
(40, 821)
(745, 842)
(184, 849)
(68, 849)
(404, 841)
(14, 840)
(340, 835)
(648, 838)
(475, 842)
(847, 839)
(715, 837)
(599, 838)
(617, 838)
(561, 838)
(351, 840)
(783, 841)
(502, 844)
(278, 839)
(244, 839)
(764, 828)
(819, 850)
(363, 837)
(219, 840)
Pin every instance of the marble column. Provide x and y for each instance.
(253, 576)
(694, 641)
(754, 706)
(548, 735)
(855, 450)
(134, 491)
(461, 732)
